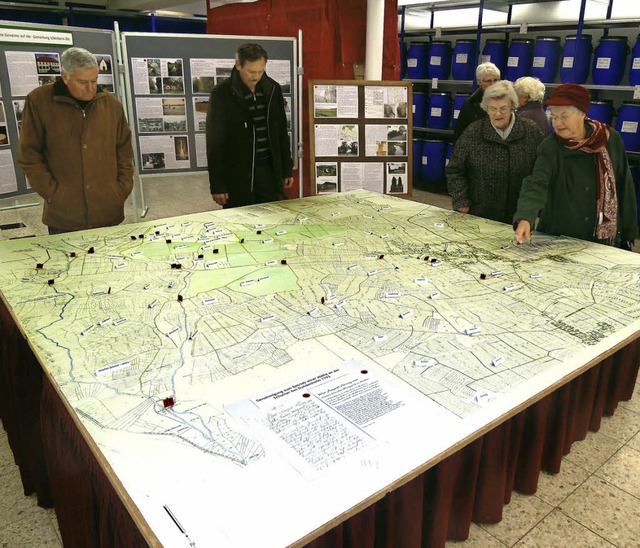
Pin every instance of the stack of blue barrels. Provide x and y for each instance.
(543, 57)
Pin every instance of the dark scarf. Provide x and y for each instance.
(607, 202)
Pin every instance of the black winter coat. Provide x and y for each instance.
(230, 138)
(469, 113)
(485, 173)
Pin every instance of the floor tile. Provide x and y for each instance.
(606, 510)
(558, 530)
(634, 442)
(30, 531)
(478, 538)
(14, 505)
(518, 518)
(623, 471)
(554, 488)
(622, 426)
(592, 452)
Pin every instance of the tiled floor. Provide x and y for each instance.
(593, 501)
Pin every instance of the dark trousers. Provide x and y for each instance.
(53, 230)
(266, 188)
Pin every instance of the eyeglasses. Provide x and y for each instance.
(501, 110)
(489, 80)
(561, 117)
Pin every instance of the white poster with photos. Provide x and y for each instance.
(28, 70)
(362, 175)
(280, 71)
(336, 140)
(201, 150)
(164, 152)
(8, 180)
(4, 132)
(397, 177)
(331, 101)
(326, 177)
(161, 114)
(385, 102)
(200, 110)
(105, 72)
(18, 108)
(384, 140)
(157, 76)
(207, 73)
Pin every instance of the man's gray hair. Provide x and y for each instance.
(503, 89)
(73, 59)
(486, 69)
(530, 87)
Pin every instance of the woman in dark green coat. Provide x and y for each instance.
(581, 185)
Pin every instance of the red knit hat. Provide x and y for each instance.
(572, 95)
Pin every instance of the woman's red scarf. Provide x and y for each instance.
(607, 202)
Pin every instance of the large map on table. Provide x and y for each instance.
(190, 309)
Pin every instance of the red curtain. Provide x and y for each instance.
(333, 37)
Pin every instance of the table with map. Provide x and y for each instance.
(295, 360)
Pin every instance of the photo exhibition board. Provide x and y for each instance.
(169, 78)
(30, 57)
(360, 136)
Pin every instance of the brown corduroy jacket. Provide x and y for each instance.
(79, 160)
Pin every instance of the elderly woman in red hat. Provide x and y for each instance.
(581, 185)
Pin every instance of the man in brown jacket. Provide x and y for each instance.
(75, 148)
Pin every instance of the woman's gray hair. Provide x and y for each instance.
(503, 89)
(530, 87)
(74, 59)
(486, 69)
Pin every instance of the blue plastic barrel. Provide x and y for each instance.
(458, 100)
(495, 51)
(601, 111)
(448, 154)
(417, 61)
(439, 110)
(420, 102)
(634, 69)
(576, 59)
(463, 64)
(546, 55)
(439, 59)
(627, 125)
(416, 160)
(519, 59)
(609, 60)
(434, 155)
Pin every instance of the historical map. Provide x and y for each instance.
(151, 329)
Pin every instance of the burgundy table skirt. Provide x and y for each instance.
(472, 484)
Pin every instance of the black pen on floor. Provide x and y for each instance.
(175, 520)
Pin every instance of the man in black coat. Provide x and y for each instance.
(487, 74)
(248, 151)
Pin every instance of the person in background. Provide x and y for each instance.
(530, 92)
(581, 185)
(75, 148)
(248, 151)
(486, 75)
(492, 157)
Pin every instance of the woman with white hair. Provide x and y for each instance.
(486, 75)
(492, 157)
(530, 92)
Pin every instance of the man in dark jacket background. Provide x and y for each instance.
(248, 150)
(487, 74)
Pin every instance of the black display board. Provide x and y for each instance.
(30, 55)
(168, 81)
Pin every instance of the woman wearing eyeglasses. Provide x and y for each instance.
(492, 157)
(581, 185)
